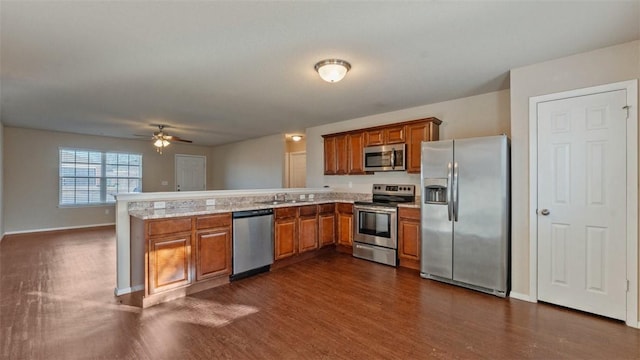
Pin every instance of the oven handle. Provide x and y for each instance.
(376, 209)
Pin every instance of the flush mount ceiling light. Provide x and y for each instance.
(332, 70)
(296, 137)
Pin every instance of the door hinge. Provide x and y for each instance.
(627, 285)
(626, 107)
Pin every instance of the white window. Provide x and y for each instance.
(91, 177)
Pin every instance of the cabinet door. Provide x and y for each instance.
(409, 239)
(327, 229)
(330, 155)
(169, 262)
(213, 253)
(342, 155)
(356, 153)
(394, 135)
(374, 137)
(308, 234)
(345, 224)
(285, 238)
(416, 133)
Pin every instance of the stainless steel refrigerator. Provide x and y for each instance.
(465, 213)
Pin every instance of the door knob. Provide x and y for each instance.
(545, 212)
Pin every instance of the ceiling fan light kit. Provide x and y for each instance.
(332, 70)
(161, 139)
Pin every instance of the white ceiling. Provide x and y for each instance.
(219, 72)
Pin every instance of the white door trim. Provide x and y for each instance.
(631, 87)
(175, 169)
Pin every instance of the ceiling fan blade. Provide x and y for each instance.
(175, 138)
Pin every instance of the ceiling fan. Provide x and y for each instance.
(161, 139)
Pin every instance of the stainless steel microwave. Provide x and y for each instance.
(385, 158)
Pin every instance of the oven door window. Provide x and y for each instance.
(378, 159)
(374, 223)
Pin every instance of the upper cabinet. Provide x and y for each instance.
(417, 133)
(344, 152)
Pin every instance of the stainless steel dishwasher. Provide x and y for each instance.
(252, 242)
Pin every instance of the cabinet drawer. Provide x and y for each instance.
(213, 221)
(326, 208)
(285, 212)
(308, 210)
(345, 208)
(409, 213)
(169, 226)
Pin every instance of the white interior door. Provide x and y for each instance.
(297, 169)
(582, 203)
(191, 173)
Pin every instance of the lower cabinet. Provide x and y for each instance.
(409, 233)
(345, 224)
(326, 224)
(285, 234)
(307, 228)
(212, 250)
(169, 262)
(186, 250)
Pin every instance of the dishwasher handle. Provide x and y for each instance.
(252, 213)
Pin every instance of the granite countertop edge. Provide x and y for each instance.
(148, 214)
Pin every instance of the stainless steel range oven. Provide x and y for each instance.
(375, 234)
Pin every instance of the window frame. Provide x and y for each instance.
(102, 180)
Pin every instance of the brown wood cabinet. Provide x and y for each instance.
(343, 152)
(409, 234)
(394, 135)
(168, 254)
(356, 153)
(285, 232)
(345, 224)
(326, 224)
(416, 134)
(330, 165)
(308, 228)
(212, 250)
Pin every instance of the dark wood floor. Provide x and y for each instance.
(57, 303)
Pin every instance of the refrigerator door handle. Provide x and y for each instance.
(449, 190)
(456, 201)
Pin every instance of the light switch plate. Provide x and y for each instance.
(211, 202)
(159, 204)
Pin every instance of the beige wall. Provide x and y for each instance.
(481, 115)
(251, 164)
(31, 176)
(603, 66)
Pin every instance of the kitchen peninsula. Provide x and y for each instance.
(178, 221)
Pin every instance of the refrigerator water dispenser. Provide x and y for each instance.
(435, 191)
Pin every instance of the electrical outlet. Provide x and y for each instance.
(159, 204)
(211, 202)
(106, 211)
(164, 183)
(302, 196)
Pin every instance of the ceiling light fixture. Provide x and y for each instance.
(332, 70)
(296, 137)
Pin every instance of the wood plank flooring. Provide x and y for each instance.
(57, 303)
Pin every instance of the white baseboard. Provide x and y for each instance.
(519, 296)
(56, 229)
(119, 292)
